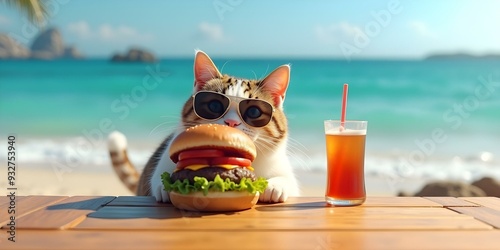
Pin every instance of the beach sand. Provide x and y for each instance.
(43, 180)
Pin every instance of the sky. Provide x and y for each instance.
(259, 28)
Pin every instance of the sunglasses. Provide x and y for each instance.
(211, 105)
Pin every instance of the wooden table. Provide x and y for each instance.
(134, 222)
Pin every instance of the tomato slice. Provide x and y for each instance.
(209, 157)
(200, 153)
(193, 161)
(230, 161)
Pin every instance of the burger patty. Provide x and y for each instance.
(235, 174)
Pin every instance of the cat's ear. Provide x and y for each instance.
(204, 70)
(276, 83)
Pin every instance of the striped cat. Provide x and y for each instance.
(270, 138)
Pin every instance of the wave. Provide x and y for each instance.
(69, 154)
(76, 154)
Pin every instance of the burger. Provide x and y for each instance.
(213, 170)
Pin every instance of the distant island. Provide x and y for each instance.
(135, 55)
(47, 45)
(462, 56)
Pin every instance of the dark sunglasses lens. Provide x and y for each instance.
(210, 105)
(256, 113)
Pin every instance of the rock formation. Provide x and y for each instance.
(10, 49)
(71, 53)
(47, 45)
(449, 188)
(462, 56)
(134, 55)
(490, 186)
(486, 186)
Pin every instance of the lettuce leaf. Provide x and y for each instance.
(201, 184)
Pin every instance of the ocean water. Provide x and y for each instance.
(426, 119)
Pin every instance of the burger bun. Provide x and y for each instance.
(214, 201)
(213, 136)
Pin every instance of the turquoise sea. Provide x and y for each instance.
(426, 119)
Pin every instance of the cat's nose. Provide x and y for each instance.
(232, 123)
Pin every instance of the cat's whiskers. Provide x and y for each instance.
(257, 89)
(263, 147)
(224, 65)
(154, 130)
(267, 143)
(269, 138)
(296, 150)
(162, 132)
(251, 133)
(296, 145)
(265, 72)
(175, 125)
(187, 124)
(170, 128)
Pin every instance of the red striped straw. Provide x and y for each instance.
(344, 105)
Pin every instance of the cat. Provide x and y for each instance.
(271, 162)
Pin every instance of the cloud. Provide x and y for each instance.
(4, 20)
(212, 32)
(336, 32)
(421, 28)
(80, 29)
(108, 33)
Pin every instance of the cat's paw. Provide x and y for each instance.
(275, 192)
(159, 193)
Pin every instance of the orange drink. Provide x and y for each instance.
(345, 149)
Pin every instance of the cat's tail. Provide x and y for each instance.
(117, 145)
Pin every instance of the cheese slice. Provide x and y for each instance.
(200, 166)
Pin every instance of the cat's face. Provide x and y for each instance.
(252, 118)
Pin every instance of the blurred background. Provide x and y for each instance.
(424, 74)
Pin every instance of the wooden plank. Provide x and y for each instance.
(153, 218)
(137, 201)
(270, 224)
(370, 202)
(149, 201)
(399, 202)
(452, 202)
(130, 212)
(117, 212)
(5, 200)
(491, 202)
(295, 202)
(26, 205)
(359, 211)
(241, 240)
(63, 214)
(485, 214)
(301, 202)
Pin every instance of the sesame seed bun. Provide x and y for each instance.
(213, 136)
